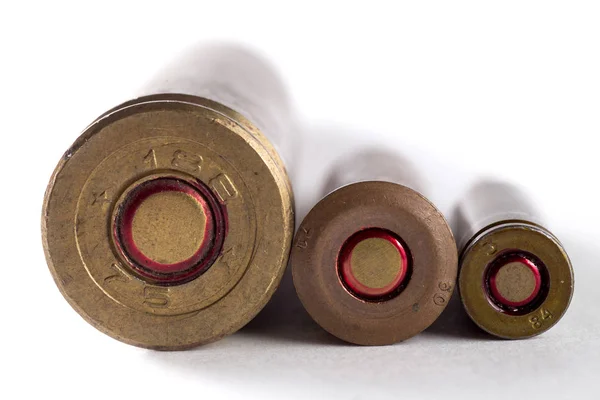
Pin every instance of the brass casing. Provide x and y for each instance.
(481, 252)
(495, 219)
(396, 209)
(188, 137)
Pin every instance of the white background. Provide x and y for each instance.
(464, 90)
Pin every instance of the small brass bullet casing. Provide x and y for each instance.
(374, 262)
(515, 279)
(169, 221)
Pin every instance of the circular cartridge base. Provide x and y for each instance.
(168, 223)
(516, 280)
(409, 281)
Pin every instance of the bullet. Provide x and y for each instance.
(168, 223)
(515, 279)
(374, 262)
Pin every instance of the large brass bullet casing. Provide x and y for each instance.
(374, 262)
(168, 223)
(515, 280)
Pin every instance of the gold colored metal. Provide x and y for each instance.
(483, 250)
(193, 140)
(375, 262)
(515, 282)
(169, 227)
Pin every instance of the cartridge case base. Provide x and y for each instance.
(405, 294)
(516, 280)
(168, 223)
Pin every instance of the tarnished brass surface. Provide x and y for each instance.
(387, 206)
(557, 291)
(515, 282)
(185, 139)
(375, 262)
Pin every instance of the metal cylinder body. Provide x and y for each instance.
(374, 262)
(168, 222)
(515, 279)
(238, 79)
(372, 165)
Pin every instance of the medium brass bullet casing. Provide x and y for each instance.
(374, 262)
(168, 223)
(515, 280)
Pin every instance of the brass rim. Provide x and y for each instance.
(393, 208)
(188, 138)
(526, 238)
